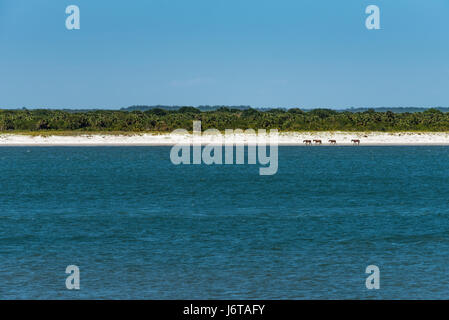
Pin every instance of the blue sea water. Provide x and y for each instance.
(139, 227)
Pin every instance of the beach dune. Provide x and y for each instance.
(284, 138)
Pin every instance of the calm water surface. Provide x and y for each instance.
(140, 227)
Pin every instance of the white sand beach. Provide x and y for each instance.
(284, 138)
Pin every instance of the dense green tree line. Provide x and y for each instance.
(223, 118)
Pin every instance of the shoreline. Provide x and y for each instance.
(284, 139)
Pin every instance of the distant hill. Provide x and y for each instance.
(205, 108)
(397, 109)
(174, 108)
(243, 107)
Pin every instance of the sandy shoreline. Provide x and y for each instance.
(284, 138)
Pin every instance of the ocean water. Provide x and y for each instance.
(139, 227)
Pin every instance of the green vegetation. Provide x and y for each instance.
(161, 120)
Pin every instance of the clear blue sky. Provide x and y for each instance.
(264, 53)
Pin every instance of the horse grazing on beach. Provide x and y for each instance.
(317, 141)
(307, 142)
(356, 141)
(333, 141)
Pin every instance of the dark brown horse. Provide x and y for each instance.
(333, 141)
(356, 141)
(317, 141)
(307, 142)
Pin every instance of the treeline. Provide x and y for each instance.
(158, 119)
